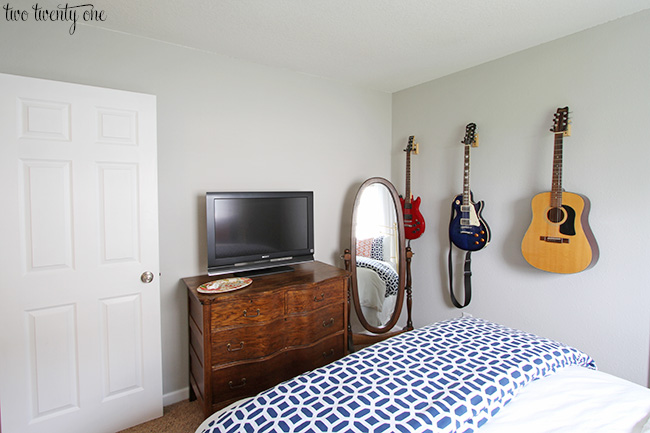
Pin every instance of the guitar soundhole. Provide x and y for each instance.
(555, 215)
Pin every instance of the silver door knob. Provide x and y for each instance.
(146, 277)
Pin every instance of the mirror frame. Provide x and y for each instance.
(401, 260)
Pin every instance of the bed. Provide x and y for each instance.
(460, 375)
(377, 279)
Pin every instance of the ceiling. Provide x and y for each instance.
(386, 45)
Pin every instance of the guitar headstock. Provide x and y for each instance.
(471, 138)
(561, 121)
(411, 147)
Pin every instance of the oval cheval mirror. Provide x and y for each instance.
(377, 261)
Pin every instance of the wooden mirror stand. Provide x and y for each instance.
(379, 264)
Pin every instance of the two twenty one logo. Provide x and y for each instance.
(65, 13)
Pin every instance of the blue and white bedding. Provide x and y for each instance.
(452, 376)
(385, 271)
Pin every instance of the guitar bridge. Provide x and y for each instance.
(554, 240)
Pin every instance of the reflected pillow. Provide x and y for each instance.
(364, 247)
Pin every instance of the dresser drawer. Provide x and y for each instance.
(305, 329)
(322, 353)
(247, 342)
(247, 310)
(299, 301)
(249, 378)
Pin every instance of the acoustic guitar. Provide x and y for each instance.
(559, 238)
(467, 228)
(413, 220)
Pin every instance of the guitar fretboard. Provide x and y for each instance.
(407, 198)
(560, 129)
(466, 189)
(556, 187)
(468, 140)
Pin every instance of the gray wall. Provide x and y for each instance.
(603, 75)
(222, 125)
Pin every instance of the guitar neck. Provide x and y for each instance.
(466, 189)
(407, 199)
(556, 187)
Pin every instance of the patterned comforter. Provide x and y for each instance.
(452, 376)
(385, 272)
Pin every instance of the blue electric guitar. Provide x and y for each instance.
(467, 229)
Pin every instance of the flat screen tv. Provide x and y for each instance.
(259, 232)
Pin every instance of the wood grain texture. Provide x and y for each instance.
(547, 248)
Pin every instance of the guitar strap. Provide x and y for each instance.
(467, 273)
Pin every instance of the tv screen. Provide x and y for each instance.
(259, 232)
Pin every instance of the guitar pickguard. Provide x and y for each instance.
(568, 227)
(469, 217)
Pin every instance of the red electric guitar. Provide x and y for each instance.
(413, 220)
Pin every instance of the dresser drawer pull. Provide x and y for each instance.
(230, 349)
(256, 314)
(321, 299)
(328, 323)
(240, 385)
(328, 354)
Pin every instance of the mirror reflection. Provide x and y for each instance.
(377, 254)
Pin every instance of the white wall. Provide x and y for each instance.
(603, 75)
(222, 125)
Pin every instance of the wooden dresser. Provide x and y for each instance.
(248, 340)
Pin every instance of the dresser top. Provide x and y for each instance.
(304, 274)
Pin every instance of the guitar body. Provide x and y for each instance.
(467, 229)
(560, 240)
(413, 220)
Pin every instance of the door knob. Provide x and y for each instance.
(146, 277)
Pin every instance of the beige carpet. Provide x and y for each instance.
(181, 417)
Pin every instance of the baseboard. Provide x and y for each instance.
(176, 396)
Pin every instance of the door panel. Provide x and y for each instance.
(53, 360)
(122, 368)
(118, 195)
(46, 202)
(79, 330)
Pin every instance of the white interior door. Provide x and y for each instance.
(80, 332)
